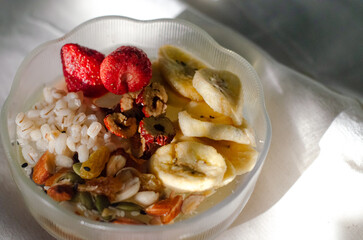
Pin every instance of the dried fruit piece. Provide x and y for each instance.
(81, 69)
(154, 132)
(222, 91)
(128, 221)
(108, 186)
(202, 112)
(159, 130)
(138, 149)
(63, 192)
(193, 127)
(120, 125)
(153, 98)
(188, 166)
(178, 68)
(243, 157)
(127, 101)
(44, 168)
(127, 69)
(149, 182)
(167, 209)
(135, 112)
(95, 164)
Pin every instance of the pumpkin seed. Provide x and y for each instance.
(108, 214)
(72, 177)
(77, 168)
(127, 206)
(85, 199)
(101, 202)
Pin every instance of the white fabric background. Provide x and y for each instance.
(310, 185)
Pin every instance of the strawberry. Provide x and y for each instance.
(81, 69)
(127, 69)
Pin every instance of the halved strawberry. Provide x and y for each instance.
(81, 69)
(127, 69)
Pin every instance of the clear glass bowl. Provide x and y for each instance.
(43, 67)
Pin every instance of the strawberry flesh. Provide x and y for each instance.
(127, 69)
(81, 69)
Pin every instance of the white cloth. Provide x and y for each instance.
(304, 191)
(310, 185)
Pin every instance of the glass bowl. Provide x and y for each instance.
(43, 67)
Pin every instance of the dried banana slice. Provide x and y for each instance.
(222, 91)
(188, 166)
(178, 69)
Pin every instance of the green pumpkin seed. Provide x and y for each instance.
(101, 202)
(108, 214)
(85, 198)
(72, 177)
(77, 168)
(127, 206)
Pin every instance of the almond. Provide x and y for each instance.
(61, 192)
(44, 168)
(167, 209)
(155, 221)
(54, 178)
